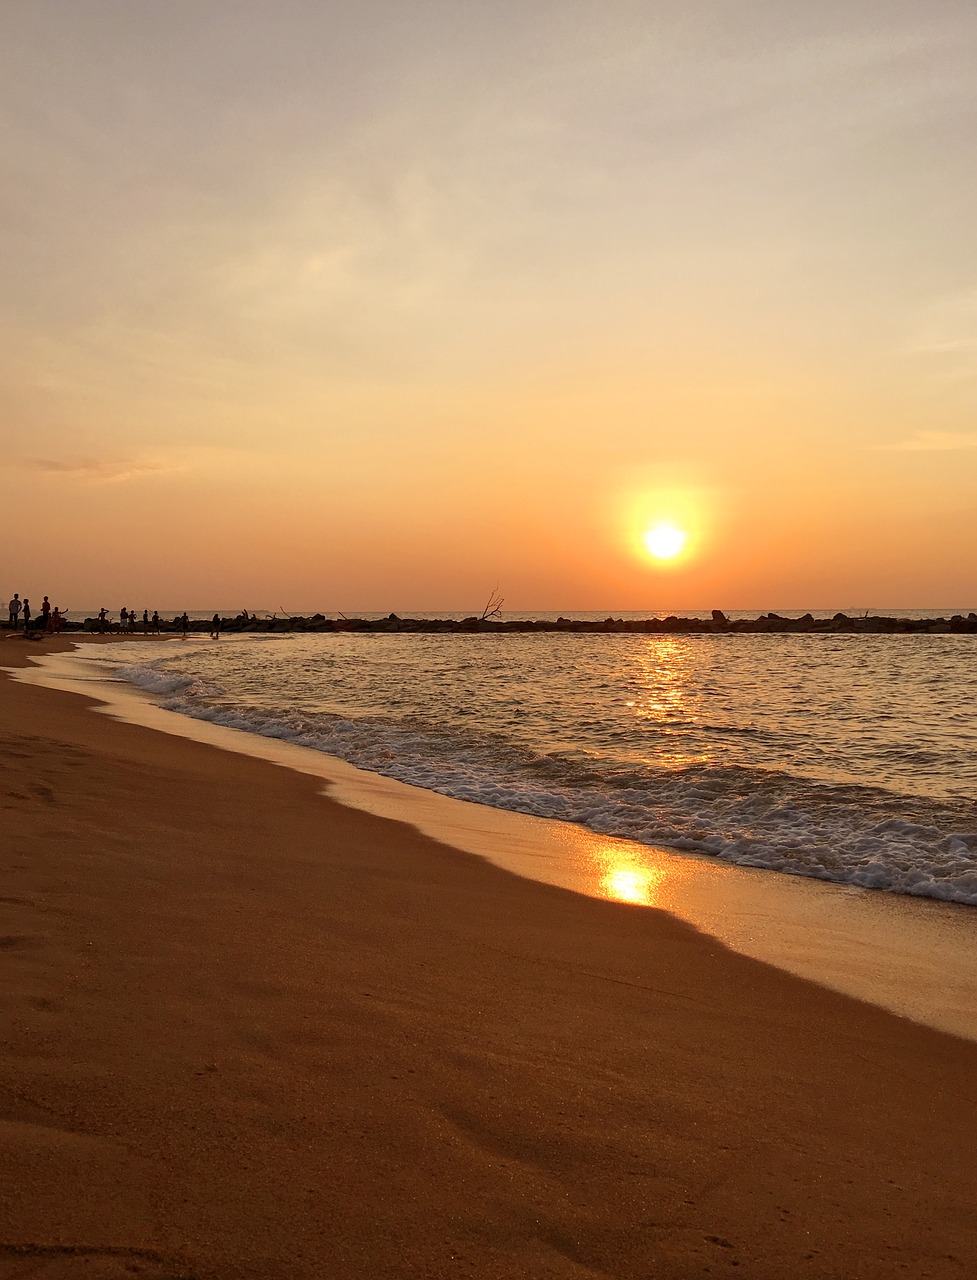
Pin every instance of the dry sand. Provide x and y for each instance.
(246, 1032)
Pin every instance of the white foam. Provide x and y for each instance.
(159, 683)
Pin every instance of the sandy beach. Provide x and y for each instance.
(248, 1032)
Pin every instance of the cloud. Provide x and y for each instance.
(933, 442)
(948, 327)
(99, 470)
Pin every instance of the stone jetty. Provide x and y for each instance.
(716, 623)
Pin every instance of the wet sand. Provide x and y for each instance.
(248, 1032)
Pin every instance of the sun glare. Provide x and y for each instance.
(631, 884)
(665, 541)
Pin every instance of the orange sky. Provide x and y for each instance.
(378, 306)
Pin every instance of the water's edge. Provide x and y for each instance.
(914, 957)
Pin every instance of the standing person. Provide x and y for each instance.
(215, 627)
(123, 619)
(46, 614)
(185, 623)
(27, 614)
(15, 608)
(145, 620)
(103, 613)
(156, 622)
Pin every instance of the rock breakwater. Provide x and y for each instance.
(716, 623)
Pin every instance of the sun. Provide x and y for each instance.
(665, 541)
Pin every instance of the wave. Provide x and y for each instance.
(857, 835)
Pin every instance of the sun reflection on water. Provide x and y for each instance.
(632, 884)
(666, 683)
(626, 872)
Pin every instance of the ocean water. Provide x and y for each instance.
(845, 758)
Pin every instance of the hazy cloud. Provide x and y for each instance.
(934, 442)
(949, 326)
(102, 470)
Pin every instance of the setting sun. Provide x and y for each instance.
(665, 541)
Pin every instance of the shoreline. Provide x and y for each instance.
(249, 1032)
(911, 956)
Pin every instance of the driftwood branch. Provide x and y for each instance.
(493, 607)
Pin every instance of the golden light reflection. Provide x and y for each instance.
(666, 681)
(624, 871)
(628, 872)
(631, 883)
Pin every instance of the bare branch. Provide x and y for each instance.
(493, 607)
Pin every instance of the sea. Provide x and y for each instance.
(843, 758)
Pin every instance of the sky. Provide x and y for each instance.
(391, 304)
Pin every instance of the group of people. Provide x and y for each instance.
(48, 618)
(128, 621)
(51, 619)
(149, 624)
